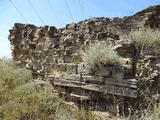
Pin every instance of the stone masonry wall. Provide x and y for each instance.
(55, 54)
(42, 48)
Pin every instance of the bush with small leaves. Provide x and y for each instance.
(11, 75)
(20, 100)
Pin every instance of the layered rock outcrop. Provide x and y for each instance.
(56, 54)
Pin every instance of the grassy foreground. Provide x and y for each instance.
(19, 100)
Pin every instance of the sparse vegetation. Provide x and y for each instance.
(147, 40)
(100, 54)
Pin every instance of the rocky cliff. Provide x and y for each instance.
(56, 54)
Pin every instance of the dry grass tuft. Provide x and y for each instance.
(100, 54)
(147, 40)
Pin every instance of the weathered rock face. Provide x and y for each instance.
(56, 53)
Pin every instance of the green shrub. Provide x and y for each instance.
(12, 76)
(147, 40)
(27, 103)
(100, 54)
(20, 100)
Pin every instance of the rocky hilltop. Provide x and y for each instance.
(55, 54)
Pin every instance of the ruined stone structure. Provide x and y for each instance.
(55, 54)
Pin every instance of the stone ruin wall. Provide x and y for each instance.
(42, 48)
(47, 51)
